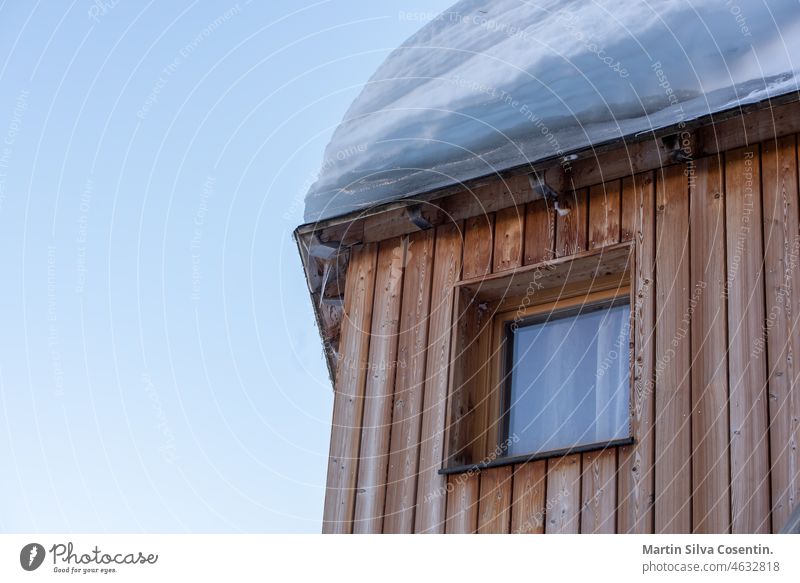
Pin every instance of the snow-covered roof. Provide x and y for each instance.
(488, 86)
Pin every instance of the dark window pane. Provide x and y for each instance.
(570, 381)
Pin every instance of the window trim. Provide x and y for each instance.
(475, 390)
(524, 458)
(538, 314)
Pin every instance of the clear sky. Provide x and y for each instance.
(160, 370)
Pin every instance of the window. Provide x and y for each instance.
(541, 361)
(567, 381)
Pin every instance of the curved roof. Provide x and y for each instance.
(488, 86)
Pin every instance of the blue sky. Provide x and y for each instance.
(160, 370)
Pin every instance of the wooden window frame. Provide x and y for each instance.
(582, 279)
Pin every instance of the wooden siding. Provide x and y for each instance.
(377, 416)
(715, 400)
(710, 438)
(527, 510)
(744, 287)
(672, 464)
(782, 291)
(401, 482)
(348, 400)
(636, 478)
(431, 486)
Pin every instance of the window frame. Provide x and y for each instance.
(541, 313)
(472, 439)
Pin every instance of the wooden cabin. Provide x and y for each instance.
(693, 230)
(555, 263)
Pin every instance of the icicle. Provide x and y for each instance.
(326, 273)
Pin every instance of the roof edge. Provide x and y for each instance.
(541, 164)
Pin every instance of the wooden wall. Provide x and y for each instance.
(715, 405)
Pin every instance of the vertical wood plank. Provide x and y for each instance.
(540, 232)
(782, 284)
(604, 214)
(563, 495)
(710, 452)
(604, 230)
(461, 400)
(508, 244)
(478, 244)
(494, 506)
(673, 356)
(571, 228)
(462, 503)
(750, 505)
(481, 394)
(349, 392)
(564, 474)
(528, 498)
(381, 368)
(401, 487)
(431, 488)
(636, 462)
(629, 209)
(508, 240)
(599, 492)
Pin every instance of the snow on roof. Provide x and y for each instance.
(488, 86)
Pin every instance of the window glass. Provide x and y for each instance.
(569, 382)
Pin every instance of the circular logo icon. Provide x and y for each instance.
(31, 556)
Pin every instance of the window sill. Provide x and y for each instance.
(521, 459)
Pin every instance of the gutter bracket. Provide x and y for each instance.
(678, 149)
(547, 192)
(415, 216)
